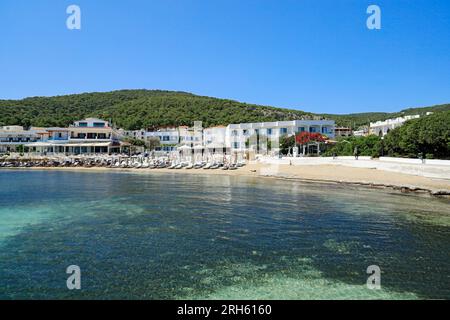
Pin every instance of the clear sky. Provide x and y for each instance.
(313, 55)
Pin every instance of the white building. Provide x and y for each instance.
(215, 136)
(88, 136)
(191, 136)
(168, 138)
(361, 132)
(382, 128)
(256, 137)
(238, 135)
(13, 136)
(136, 134)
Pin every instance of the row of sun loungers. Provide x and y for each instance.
(120, 163)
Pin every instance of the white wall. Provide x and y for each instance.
(416, 161)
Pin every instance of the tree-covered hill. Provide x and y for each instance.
(136, 109)
(355, 120)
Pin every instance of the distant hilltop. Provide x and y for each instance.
(136, 109)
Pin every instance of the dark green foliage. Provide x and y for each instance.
(429, 135)
(135, 142)
(367, 146)
(356, 120)
(137, 109)
(286, 144)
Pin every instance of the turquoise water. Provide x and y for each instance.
(176, 236)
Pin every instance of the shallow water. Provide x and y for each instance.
(175, 236)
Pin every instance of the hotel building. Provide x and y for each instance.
(11, 137)
(238, 135)
(343, 132)
(382, 128)
(88, 136)
(168, 138)
(96, 136)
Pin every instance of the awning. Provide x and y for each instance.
(41, 144)
(99, 144)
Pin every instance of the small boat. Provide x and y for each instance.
(207, 166)
(199, 165)
(215, 166)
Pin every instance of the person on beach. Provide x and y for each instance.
(356, 153)
(421, 157)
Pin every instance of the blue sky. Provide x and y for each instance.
(313, 55)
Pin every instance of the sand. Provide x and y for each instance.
(365, 177)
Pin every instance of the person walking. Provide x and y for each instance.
(356, 153)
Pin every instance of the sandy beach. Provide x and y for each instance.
(363, 177)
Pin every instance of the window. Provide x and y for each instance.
(324, 130)
(82, 124)
(269, 132)
(312, 129)
(234, 133)
(283, 130)
(236, 145)
(166, 138)
(245, 132)
(301, 129)
(99, 124)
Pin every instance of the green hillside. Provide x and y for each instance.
(355, 120)
(136, 109)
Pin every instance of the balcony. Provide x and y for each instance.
(58, 138)
(91, 138)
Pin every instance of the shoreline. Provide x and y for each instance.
(326, 174)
